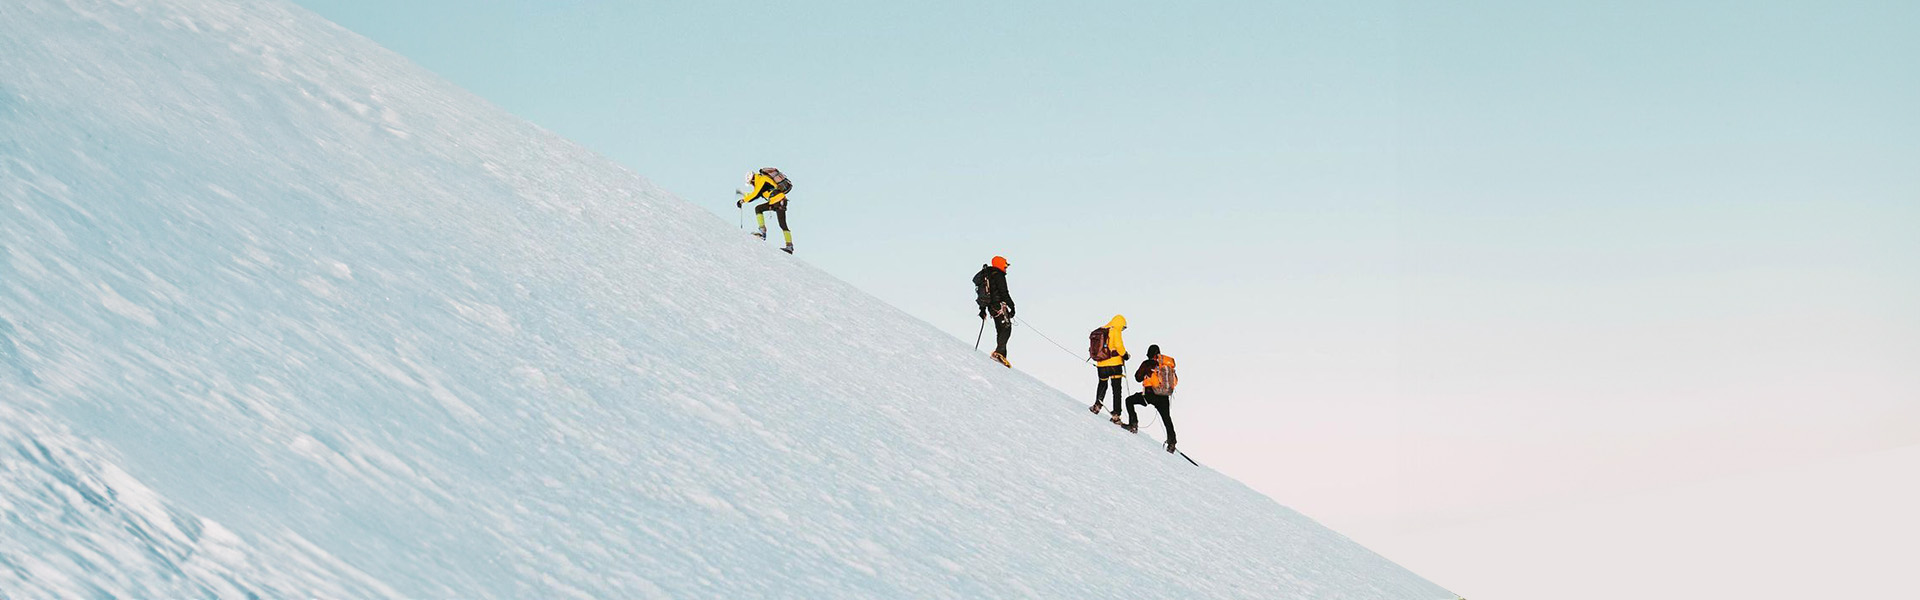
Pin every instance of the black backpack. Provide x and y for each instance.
(780, 182)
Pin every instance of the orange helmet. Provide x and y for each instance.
(1000, 262)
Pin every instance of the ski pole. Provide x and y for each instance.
(979, 336)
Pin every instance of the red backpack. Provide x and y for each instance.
(1097, 347)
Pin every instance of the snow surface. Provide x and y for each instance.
(282, 314)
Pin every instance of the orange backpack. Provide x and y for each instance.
(1162, 378)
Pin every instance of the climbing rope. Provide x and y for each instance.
(1126, 386)
(1036, 331)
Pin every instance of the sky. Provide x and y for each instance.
(1424, 265)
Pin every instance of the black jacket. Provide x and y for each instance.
(1146, 368)
(990, 289)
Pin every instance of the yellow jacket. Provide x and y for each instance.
(1114, 343)
(765, 188)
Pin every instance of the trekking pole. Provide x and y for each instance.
(742, 206)
(979, 336)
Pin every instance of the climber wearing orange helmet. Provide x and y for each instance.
(990, 294)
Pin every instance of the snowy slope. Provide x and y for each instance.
(282, 314)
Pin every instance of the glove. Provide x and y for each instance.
(739, 203)
(1126, 357)
(983, 312)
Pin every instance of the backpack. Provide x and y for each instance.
(1097, 347)
(1162, 379)
(780, 182)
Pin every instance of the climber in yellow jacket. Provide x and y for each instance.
(1109, 355)
(771, 185)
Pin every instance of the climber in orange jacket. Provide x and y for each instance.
(1157, 379)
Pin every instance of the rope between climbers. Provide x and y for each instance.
(1043, 335)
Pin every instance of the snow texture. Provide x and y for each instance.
(283, 315)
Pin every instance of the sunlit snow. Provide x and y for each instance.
(282, 314)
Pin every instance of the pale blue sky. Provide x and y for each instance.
(1423, 262)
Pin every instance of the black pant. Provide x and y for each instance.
(1110, 375)
(1163, 403)
(1002, 329)
(779, 210)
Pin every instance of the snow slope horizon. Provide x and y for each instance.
(283, 313)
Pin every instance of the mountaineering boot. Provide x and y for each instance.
(1131, 427)
(1096, 407)
(762, 233)
(1170, 449)
(1115, 417)
(1002, 360)
(788, 249)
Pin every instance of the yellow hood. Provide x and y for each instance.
(1114, 342)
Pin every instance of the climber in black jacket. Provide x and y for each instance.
(990, 293)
